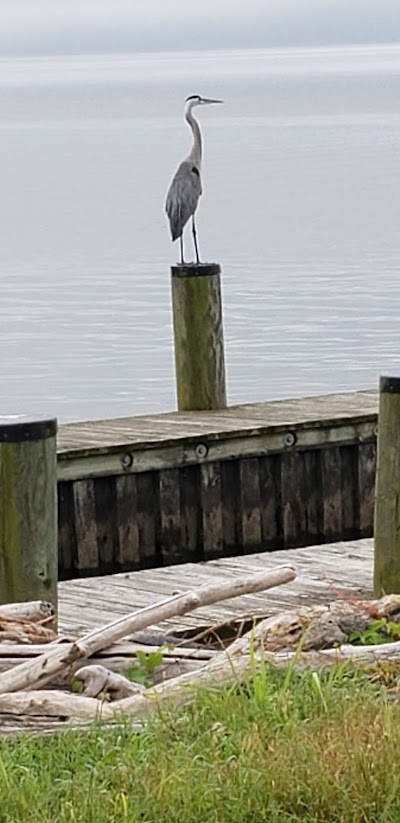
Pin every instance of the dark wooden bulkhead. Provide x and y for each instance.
(190, 486)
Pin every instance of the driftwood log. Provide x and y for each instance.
(35, 610)
(37, 673)
(309, 637)
(26, 623)
(55, 704)
(302, 638)
(97, 680)
(116, 658)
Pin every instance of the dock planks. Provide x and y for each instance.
(171, 488)
(321, 571)
(104, 436)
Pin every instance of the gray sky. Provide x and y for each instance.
(53, 26)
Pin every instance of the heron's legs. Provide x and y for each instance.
(195, 240)
(181, 242)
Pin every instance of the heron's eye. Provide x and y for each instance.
(195, 171)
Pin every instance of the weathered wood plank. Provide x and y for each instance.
(147, 518)
(172, 545)
(106, 522)
(332, 411)
(293, 504)
(250, 496)
(271, 501)
(221, 445)
(230, 494)
(89, 603)
(350, 495)
(211, 509)
(85, 525)
(314, 510)
(331, 492)
(191, 515)
(67, 544)
(128, 553)
(366, 475)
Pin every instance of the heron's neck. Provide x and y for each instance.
(195, 154)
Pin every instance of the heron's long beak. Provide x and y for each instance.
(207, 100)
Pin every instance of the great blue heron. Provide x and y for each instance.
(185, 189)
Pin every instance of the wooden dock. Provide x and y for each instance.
(152, 491)
(323, 572)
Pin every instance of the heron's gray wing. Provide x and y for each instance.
(183, 196)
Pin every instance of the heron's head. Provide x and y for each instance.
(196, 100)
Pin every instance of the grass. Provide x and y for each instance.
(280, 748)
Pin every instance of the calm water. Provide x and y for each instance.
(301, 207)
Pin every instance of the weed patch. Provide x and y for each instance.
(277, 747)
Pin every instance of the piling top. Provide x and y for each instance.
(196, 270)
(390, 385)
(19, 428)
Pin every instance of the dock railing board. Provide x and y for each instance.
(189, 486)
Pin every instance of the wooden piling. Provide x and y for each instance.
(28, 510)
(387, 492)
(198, 336)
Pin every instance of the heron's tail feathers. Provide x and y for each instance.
(176, 224)
(176, 232)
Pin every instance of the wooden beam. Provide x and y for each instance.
(198, 335)
(28, 510)
(174, 453)
(40, 671)
(99, 437)
(387, 504)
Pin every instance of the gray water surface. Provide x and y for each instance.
(300, 207)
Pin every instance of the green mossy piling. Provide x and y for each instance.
(198, 335)
(28, 510)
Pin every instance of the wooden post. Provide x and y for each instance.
(28, 510)
(198, 335)
(387, 490)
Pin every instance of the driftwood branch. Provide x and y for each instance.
(21, 630)
(35, 610)
(274, 640)
(55, 704)
(227, 668)
(98, 680)
(116, 658)
(360, 655)
(181, 604)
(270, 642)
(37, 673)
(125, 650)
